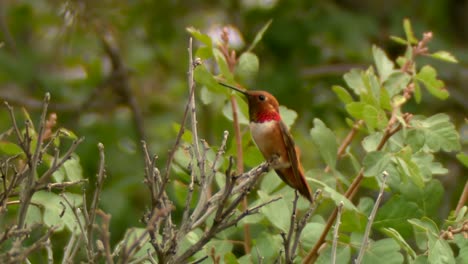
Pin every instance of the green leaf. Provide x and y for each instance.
(259, 35)
(371, 142)
(353, 79)
(287, 115)
(383, 63)
(428, 76)
(399, 40)
(428, 198)
(63, 132)
(374, 118)
(311, 233)
(277, 213)
(384, 249)
(356, 109)
(410, 169)
(333, 194)
(242, 112)
(223, 66)
(203, 38)
(400, 240)
(56, 210)
(375, 163)
(343, 94)
(396, 82)
(325, 140)
(9, 148)
(204, 77)
(463, 158)
(444, 56)
(73, 170)
(439, 131)
(409, 31)
(247, 66)
(343, 255)
(395, 212)
(441, 252)
(416, 139)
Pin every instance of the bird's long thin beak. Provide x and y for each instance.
(233, 88)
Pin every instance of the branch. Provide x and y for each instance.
(370, 221)
(463, 199)
(336, 233)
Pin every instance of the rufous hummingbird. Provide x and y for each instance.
(272, 137)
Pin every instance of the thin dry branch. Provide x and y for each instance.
(365, 240)
(336, 233)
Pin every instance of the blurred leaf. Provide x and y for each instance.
(242, 107)
(395, 212)
(259, 35)
(247, 66)
(440, 252)
(410, 169)
(383, 63)
(356, 109)
(396, 82)
(409, 31)
(444, 56)
(375, 163)
(333, 194)
(277, 213)
(374, 118)
(354, 81)
(287, 115)
(342, 93)
(416, 139)
(425, 231)
(73, 170)
(343, 255)
(223, 66)
(230, 258)
(203, 76)
(463, 158)
(372, 141)
(63, 132)
(384, 249)
(270, 181)
(440, 132)
(56, 210)
(325, 140)
(400, 240)
(311, 233)
(429, 198)
(9, 148)
(428, 76)
(399, 40)
(203, 38)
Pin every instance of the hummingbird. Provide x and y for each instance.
(273, 139)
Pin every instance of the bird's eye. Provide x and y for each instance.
(261, 97)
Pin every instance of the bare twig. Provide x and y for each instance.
(105, 235)
(365, 240)
(28, 189)
(50, 253)
(91, 213)
(336, 233)
(463, 199)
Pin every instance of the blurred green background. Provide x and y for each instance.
(55, 46)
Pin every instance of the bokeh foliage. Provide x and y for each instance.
(56, 47)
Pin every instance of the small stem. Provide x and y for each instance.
(365, 240)
(336, 233)
(463, 199)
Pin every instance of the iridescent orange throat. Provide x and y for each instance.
(267, 116)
